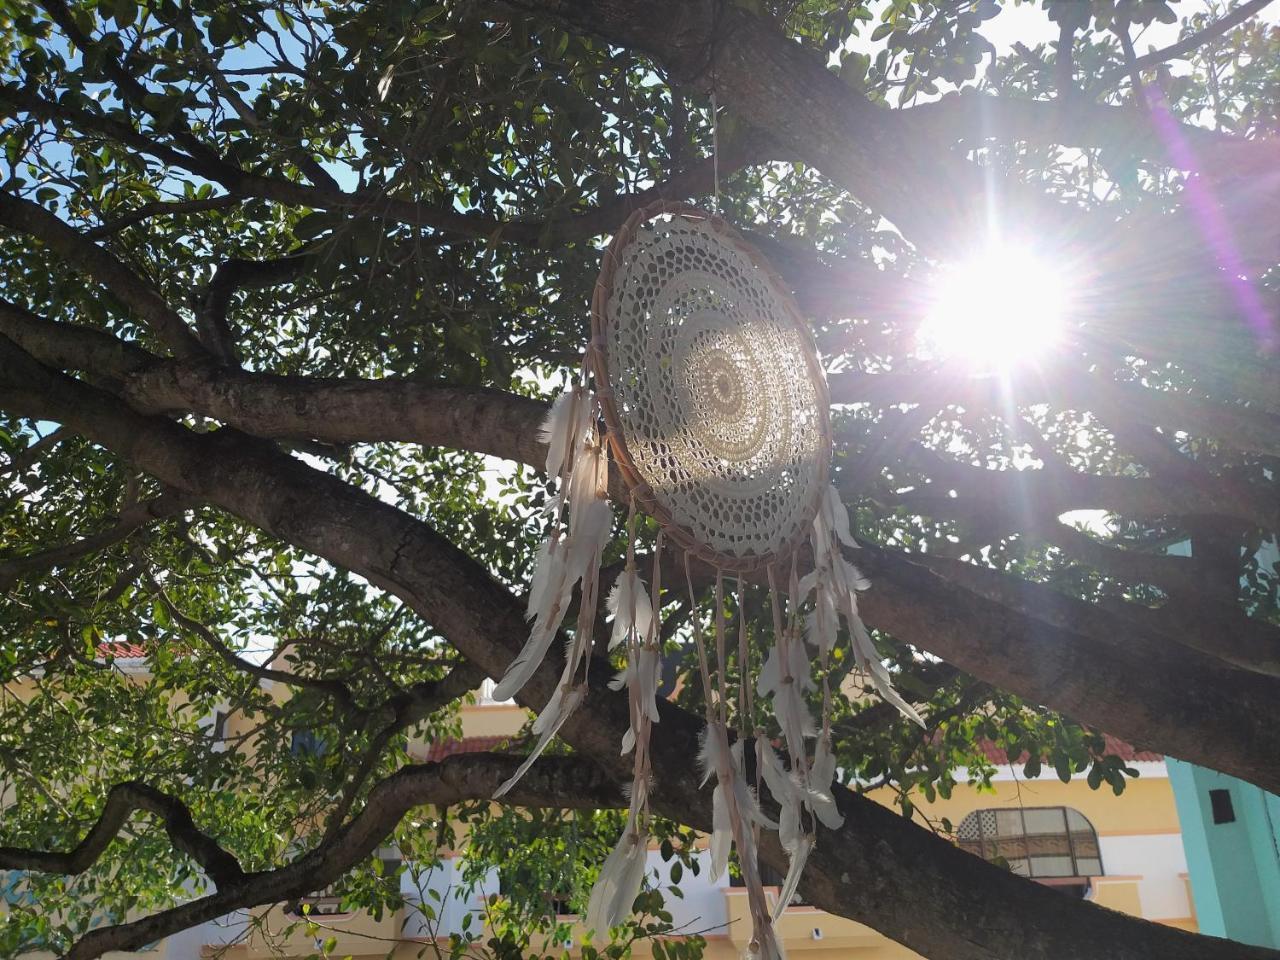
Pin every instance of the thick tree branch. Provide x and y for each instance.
(122, 800)
(1255, 649)
(500, 424)
(347, 411)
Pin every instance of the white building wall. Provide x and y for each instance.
(1159, 860)
(702, 909)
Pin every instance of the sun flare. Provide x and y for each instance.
(994, 311)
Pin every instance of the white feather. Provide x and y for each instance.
(837, 517)
(555, 429)
(821, 777)
(619, 882)
(711, 756)
(648, 681)
(558, 709)
(629, 605)
(587, 538)
(545, 626)
(868, 658)
(787, 698)
(545, 569)
(786, 792)
(799, 856)
(621, 678)
(589, 462)
(721, 832)
(748, 807)
(853, 580)
(822, 626)
(534, 651)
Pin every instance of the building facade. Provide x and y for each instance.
(1231, 833)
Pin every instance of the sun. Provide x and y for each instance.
(997, 310)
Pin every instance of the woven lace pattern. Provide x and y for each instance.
(713, 389)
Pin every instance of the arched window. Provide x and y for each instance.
(1037, 842)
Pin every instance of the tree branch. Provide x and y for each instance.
(504, 425)
(122, 800)
(1228, 21)
(134, 517)
(84, 255)
(32, 453)
(1238, 426)
(149, 211)
(551, 232)
(560, 782)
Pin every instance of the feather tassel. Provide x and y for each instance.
(821, 776)
(835, 584)
(799, 857)
(551, 719)
(556, 429)
(629, 605)
(620, 880)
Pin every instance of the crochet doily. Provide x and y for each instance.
(711, 386)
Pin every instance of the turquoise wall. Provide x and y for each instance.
(1234, 867)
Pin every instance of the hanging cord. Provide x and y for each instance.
(793, 636)
(703, 665)
(745, 706)
(639, 712)
(715, 151)
(722, 675)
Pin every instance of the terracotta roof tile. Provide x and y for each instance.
(1126, 752)
(448, 748)
(121, 650)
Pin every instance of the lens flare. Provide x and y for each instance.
(995, 311)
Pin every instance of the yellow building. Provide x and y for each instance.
(1122, 852)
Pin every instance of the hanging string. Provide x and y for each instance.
(744, 665)
(722, 675)
(638, 717)
(715, 154)
(801, 761)
(696, 621)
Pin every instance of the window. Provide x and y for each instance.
(321, 903)
(219, 725)
(306, 743)
(1036, 842)
(1220, 804)
(559, 899)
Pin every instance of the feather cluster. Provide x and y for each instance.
(733, 811)
(634, 618)
(620, 878)
(836, 584)
(577, 455)
(785, 679)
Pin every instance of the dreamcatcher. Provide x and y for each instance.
(709, 396)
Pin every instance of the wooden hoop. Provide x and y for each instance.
(639, 488)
